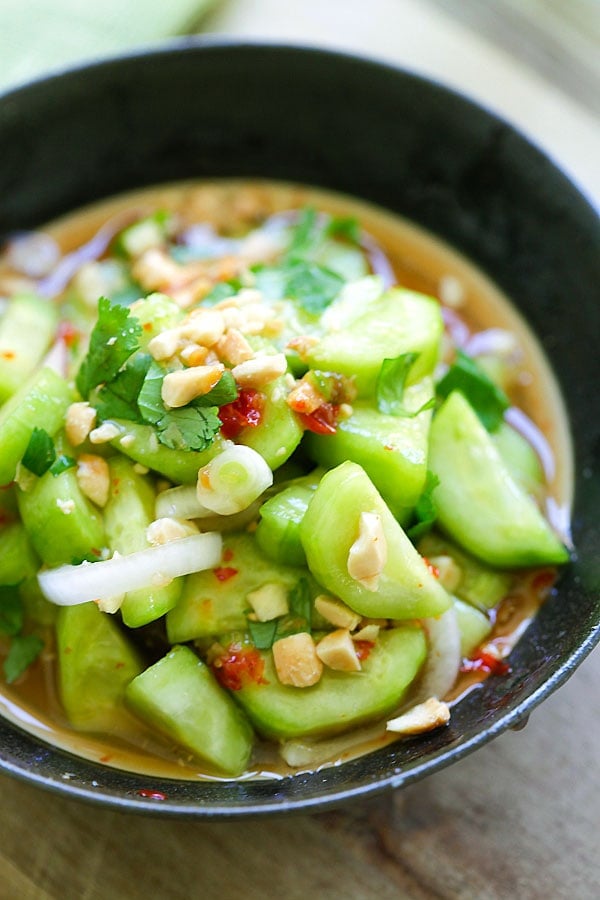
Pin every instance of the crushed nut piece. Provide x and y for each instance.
(260, 370)
(204, 326)
(296, 660)
(165, 344)
(336, 650)
(167, 529)
(180, 388)
(79, 421)
(93, 477)
(105, 433)
(337, 612)
(304, 397)
(425, 717)
(269, 601)
(234, 348)
(368, 554)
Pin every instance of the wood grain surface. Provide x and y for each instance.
(518, 819)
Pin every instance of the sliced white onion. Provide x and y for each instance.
(181, 503)
(233, 480)
(71, 585)
(443, 659)
(304, 752)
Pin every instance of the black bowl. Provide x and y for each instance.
(201, 108)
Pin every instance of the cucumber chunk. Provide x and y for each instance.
(340, 700)
(278, 531)
(209, 606)
(399, 321)
(479, 504)
(180, 697)
(155, 313)
(391, 449)
(279, 432)
(140, 443)
(127, 514)
(406, 589)
(95, 665)
(473, 625)
(41, 402)
(26, 331)
(520, 459)
(62, 524)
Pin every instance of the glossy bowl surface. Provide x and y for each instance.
(204, 108)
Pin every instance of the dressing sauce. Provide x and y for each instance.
(420, 262)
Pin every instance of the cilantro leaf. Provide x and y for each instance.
(118, 399)
(487, 399)
(39, 453)
(191, 427)
(221, 291)
(24, 649)
(224, 391)
(305, 233)
(11, 610)
(391, 383)
(61, 464)
(299, 616)
(114, 338)
(426, 509)
(312, 285)
(263, 633)
(188, 428)
(344, 227)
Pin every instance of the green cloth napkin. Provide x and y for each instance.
(38, 36)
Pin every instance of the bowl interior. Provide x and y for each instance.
(211, 109)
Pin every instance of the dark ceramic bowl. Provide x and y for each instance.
(209, 108)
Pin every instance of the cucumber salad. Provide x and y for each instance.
(259, 499)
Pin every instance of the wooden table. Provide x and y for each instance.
(519, 819)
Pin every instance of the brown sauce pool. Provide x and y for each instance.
(420, 262)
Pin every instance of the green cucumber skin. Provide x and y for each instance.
(479, 503)
(399, 321)
(60, 534)
(96, 663)
(41, 402)
(473, 625)
(18, 559)
(209, 607)
(480, 585)
(26, 331)
(391, 449)
(406, 589)
(180, 697)
(520, 459)
(278, 531)
(179, 466)
(127, 514)
(279, 432)
(340, 700)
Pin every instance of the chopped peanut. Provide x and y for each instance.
(156, 271)
(337, 651)
(79, 421)
(165, 344)
(161, 531)
(261, 370)
(93, 477)
(269, 601)
(337, 612)
(105, 433)
(296, 660)
(368, 554)
(234, 348)
(425, 717)
(304, 397)
(193, 355)
(367, 633)
(179, 388)
(303, 344)
(204, 326)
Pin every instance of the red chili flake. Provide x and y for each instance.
(106, 758)
(227, 554)
(363, 649)
(151, 795)
(8, 354)
(7, 487)
(244, 412)
(237, 666)
(119, 665)
(147, 326)
(68, 333)
(224, 573)
(433, 569)
(486, 662)
(95, 551)
(323, 420)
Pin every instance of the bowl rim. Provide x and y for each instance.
(328, 798)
